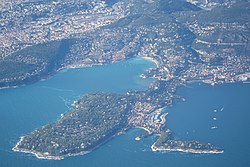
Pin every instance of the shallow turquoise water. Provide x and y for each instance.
(26, 108)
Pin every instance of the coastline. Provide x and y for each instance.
(138, 127)
(9, 87)
(193, 151)
(45, 155)
(68, 67)
(152, 60)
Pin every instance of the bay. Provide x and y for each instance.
(25, 108)
(28, 107)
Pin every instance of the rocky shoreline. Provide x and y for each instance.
(193, 151)
(45, 155)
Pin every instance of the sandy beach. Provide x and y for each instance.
(152, 60)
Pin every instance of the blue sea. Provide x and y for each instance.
(225, 107)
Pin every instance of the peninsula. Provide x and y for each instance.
(96, 119)
(166, 142)
(188, 40)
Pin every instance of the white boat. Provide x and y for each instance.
(137, 138)
(214, 127)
